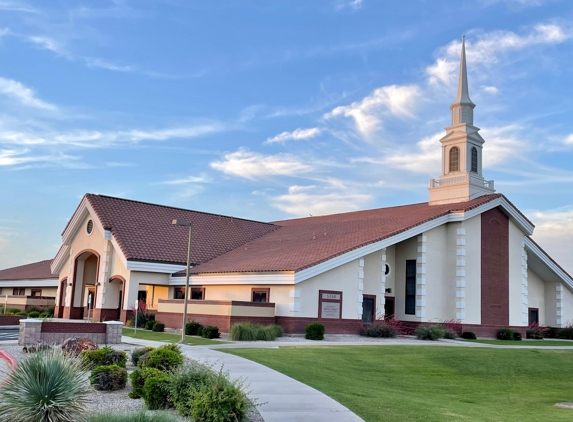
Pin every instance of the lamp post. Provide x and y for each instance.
(186, 300)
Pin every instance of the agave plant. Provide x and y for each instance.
(46, 386)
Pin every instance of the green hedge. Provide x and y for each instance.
(192, 328)
(247, 331)
(210, 332)
(314, 331)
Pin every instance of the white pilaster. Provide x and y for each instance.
(421, 277)
(524, 289)
(460, 274)
(360, 285)
(383, 281)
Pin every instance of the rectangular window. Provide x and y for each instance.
(198, 293)
(36, 292)
(260, 295)
(18, 292)
(179, 293)
(410, 287)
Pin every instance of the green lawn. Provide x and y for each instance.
(167, 337)
(525, 342)
(418, 383)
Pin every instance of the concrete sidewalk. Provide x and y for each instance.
(285, 399)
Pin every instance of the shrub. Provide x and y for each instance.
(104, 357)
(131, 417)
(50, 310)
(108, 378)
(45, 386)
(517, 336)
(247, 331)
(430, 332)
(505, 334)
(219, 401)
(156, 391)
(184, 381)
(566, 332)
(158, 327)
(143, 316)
(149, 324)
(210, 332)
(380, 329)
(450, 335)
(139, 352)
(164, 358)
(536, 331)
(138, 378)
(44, 315)
(200, 331)
(12, 311)
(191, 328)
(314, 331)
(454, 326)
(33, 314)
(468, 335)
(21, 313)
(34, 309)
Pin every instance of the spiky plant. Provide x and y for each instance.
(46, 386)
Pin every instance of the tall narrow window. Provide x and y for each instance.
(454, 159)
(474, 160)
(411, 287)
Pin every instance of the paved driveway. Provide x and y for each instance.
(9, 333)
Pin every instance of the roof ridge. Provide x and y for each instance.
(26, 265)
(88, 195)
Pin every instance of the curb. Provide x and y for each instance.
(12, 363)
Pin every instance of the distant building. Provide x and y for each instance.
(467, 255)
(27, 286)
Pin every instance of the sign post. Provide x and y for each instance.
(5, 304)
(135, 322)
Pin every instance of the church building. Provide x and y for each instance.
(465, 255)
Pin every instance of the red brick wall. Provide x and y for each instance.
(494, 268)
(11, 319)
(72, 327)
(105, 314)
(174, 320)
(490, 330)
(297, 325)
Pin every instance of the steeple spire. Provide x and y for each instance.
(462, 108)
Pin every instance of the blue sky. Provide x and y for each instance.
(271, 110)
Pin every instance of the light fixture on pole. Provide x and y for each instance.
(177, 222)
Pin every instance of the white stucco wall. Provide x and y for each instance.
(515, 276)
(536, 295)
(473, 270)
(440, 277)
(567, 308)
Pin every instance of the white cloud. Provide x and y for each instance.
(49, 44)
(23, 94)
(95, 62)
(19, 157)
(490, 89)
(203, 178)
(297, 134)
(525, 3)
(488, 48)
(569, 140)
(554, 231)
(425, 159)
(317, 200)
(353, 4)
(251, 165)
(397, 100)
(17, 6)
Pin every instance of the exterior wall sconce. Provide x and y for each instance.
(388, 290)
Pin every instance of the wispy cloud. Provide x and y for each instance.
(203, 178)
(397, 100)
(17, 6)
(22, 156)
(554, 231)
(296, 135)
(353, 4)
(23, 94)
(490, 46)
(252, 165)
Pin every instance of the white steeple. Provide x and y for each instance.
(463, 107)
(461, 177)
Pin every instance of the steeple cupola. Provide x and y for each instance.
(461, 177)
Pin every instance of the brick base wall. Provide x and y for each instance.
(105, 314)
(73, 312)
(297, 325)
(72, 327)
(34, 331)
(11, 320)
(223, 322)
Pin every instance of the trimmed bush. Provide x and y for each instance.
(44, 315)
(380, 329)
(33, 314)
(158, 327)
(450, 335)
(139, 352)
(517, 336)
(210, 332)
(34, 309)
(11, 311)
(104, 357)
(430, 332)
(192, 328)
(156, 391)
(505, 334)
(108, 378)
(314, 331)
(247, 331)
(21, 313)
(164, 358)
(536, 331)
(468, 335)
(149, 324)
(566, 332)
(138, 378)
(45, 386)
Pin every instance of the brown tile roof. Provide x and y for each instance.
(144, 231)
(302, 243)
(36, 271)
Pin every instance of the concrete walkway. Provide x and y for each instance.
(285, 399)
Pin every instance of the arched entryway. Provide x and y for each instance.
(84, 289)
(115, 295)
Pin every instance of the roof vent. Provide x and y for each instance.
(90, 227)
